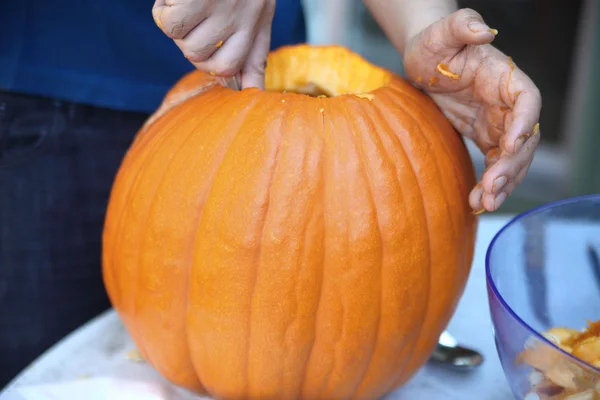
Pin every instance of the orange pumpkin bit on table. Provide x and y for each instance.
(256, 247)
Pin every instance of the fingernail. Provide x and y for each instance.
(520, 142)
(499, 183)
(499, 200)
(536, 129)
(476, 27)
(479, 211)
(494, 31)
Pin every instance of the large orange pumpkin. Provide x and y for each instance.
(276, 245)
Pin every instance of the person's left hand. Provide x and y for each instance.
(483, 94)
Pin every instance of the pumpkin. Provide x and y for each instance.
(310, 240)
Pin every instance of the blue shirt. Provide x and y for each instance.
(103, 53)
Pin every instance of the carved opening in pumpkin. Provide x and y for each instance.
(322, 71)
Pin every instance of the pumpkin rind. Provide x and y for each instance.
(275, 245)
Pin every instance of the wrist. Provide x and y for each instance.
(402, 20)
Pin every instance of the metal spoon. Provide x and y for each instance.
(449, 353)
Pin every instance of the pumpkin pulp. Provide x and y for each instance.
(309, 71)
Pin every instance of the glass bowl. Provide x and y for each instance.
(541, 274)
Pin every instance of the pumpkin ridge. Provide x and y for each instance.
(260, 245)
(314, 214)
(383, 127)
(359, 145)
(415, 115)
(295, 309)
(324, 175)
(218, 145)
(243, 114)
(454, 147)
(438, 174)
(144, 226)
(337, 347)
(340, 332)
(385, 156)
(343, 312)
(108, 250)
(394, 136)
(207, 318)
(151, 148)
(443, 145)
(276, 370)
(323, 256)
(445, 141)
(306, 246)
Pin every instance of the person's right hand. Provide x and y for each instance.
(220, 37)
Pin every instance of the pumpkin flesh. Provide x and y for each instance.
(269, 244)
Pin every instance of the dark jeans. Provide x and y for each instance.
(57, 164)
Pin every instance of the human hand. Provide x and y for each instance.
(221, 37)
(483, 94)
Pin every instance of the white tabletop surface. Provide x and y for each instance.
(100, 352)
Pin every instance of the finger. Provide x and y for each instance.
(230, 58)
(517, 181)
(460, 28)
(476, 195)
(493, 201)
(253, 71)
(205, 39)
(177, 20)
(508, 166)
(475, 198)
(525, 117)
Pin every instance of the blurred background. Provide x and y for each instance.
(556, 42)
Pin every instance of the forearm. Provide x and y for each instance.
(402, 19)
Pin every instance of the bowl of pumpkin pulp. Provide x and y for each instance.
(543, 281)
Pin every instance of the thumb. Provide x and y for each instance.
(253, 71)
(460, 28)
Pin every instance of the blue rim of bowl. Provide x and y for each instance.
(533, 332)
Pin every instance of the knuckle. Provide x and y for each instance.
(463, 18)
(177, 29)
(468, 14)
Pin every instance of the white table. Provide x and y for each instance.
(101, 347)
